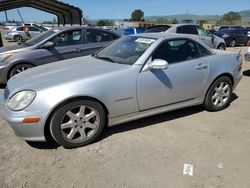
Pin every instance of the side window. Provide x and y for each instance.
(176, 51)
(68, 38)
(201, 31)
(33, 29)
(203, 51)
(187, 29)
(20, 28)
(99, 36)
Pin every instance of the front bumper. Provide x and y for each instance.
(26, 131)
(3, 73)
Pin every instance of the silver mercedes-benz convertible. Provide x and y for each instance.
(136, 76)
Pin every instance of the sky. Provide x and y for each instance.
(120, 9)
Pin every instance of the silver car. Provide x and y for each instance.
(50, 46)
(196, 31)
(17, 34)
(134, 77)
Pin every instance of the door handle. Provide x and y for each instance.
(201, 66)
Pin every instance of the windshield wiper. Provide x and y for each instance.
(105, 58)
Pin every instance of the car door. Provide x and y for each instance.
(33, 31)
(205, 37)
(66, 45)
(183, 80)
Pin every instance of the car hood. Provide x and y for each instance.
(14, 49)
(77, 70)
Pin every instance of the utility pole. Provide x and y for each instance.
(6, 16)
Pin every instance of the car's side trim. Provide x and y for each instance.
(154, 111)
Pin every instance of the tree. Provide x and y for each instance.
(230, 18)
(174, 21)
(104, 23)
(137, 15)
(161, 20)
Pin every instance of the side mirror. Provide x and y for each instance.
(48, 45)
(158, 64)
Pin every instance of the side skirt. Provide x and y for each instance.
(151, 112)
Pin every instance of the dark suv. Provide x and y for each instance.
(233, 37)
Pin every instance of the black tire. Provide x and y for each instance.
(18, 38)
(214, 93)
(233, 43)
(74, 126)
(19, 68)
(221, 47)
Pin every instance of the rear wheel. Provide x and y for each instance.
(18, 38)
(219, 94)
(19, 68)
(233, 43)
(77, 123)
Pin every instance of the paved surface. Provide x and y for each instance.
(145, 153)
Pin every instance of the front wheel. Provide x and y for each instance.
(19, 68)
(78, 123)
(221, 47)
(219, 94)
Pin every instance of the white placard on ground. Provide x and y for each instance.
(188, 169)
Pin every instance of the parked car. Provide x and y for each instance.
(127, 31)
(17, 34)
(134, 77)
(196, 31)
(51, 46)
(233, 37)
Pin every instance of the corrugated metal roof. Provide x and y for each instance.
(66, 13)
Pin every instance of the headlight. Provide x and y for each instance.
(5, 57)
(21, 100)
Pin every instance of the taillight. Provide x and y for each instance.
(248, 43)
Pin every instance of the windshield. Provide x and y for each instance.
(40, 37)
(126, 50)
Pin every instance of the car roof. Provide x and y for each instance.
(69, 28)
(164, 35)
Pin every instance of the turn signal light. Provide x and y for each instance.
(31, 120)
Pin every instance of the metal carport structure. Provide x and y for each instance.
(66, 14)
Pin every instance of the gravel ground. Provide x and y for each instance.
(145, 153)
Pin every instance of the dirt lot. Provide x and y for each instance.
(145, 153)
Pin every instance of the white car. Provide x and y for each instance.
(196, 31)
(17, 34)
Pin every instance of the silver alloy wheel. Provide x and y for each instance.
(21, 69)
(221, 94)
(80, 124)
(18, 39)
